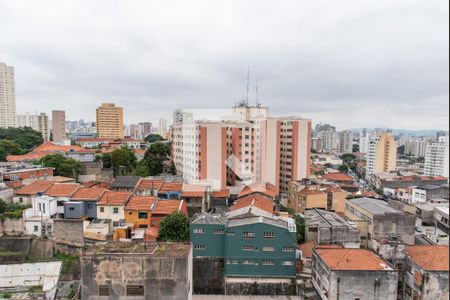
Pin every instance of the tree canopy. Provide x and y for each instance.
(62, 165)
(8, 147)
(343, 168)
(151, 138)
(154, 159)
(174, 228)
(123, 161)
(26, 137)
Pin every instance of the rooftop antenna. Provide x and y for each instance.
(256, 92)
(248, 84)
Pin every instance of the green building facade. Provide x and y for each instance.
(252, 246)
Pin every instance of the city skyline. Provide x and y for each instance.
(322, 68)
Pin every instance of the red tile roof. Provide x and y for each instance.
(150, 184)
(337, 177)
(221, 194)
(62, 189)
(310, 192)
(192, 190)
(171, 187)
(254, 200)
(166, 207)
(307, 248)
(267, 189)
(152, 231)
(140, 203)
(431, 258)
(88, 194)
(333, 189)
(352, 259)
(114, 198)
(45, 149)
(39, 186)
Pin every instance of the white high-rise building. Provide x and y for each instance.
(346, 141)
(38, 122)
(437, 158)
(7, 97)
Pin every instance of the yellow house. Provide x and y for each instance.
(138, 211)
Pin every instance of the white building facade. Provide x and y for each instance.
(437, 158)
(7, 97)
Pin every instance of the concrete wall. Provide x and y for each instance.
(7, 195)
(208, 275)
(165, 278)
(12, 227)
(69, 232)
(402, 225)
(258, 286)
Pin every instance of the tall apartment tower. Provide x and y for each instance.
(38, 122)
(382, 154)
(346, 141)
(251, 147)
(7, 97)
(162, 129)
(437, 158)
(109, 121)
(59, 125)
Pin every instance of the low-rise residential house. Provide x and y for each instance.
(326, 227)
(421, 194)
(349, 274)
(62, 192)
(393, 180)
(81, 155)
(38, 218)
(26, 176)
(126, 183)
(164, 208)
(336, 198)
(440, 215)
(74, 210)
(137, 271)
(338, 178)
(111, 206)
(92, 142)
(401, 194)
(170, 190)
(426, 275)
(139, 153)
(266, 189)
(25, 194)
(310, 197)
(98, 230)
(90, 197)
(376, 219)
(196, 196)
(149, 187)
(219, 200)
(138, 211)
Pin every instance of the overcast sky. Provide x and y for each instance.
(378, 63)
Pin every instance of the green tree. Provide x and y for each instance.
(142, 170)
(151, 138)
(355, 148)
(174, 228)
(172, 168)
(343, 168)
(300, 224)
(106, 161)
(26, 137)
(63, 166)
(8, 147)
(123, 161)
(155, 157)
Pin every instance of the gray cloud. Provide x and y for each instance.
(376, 63)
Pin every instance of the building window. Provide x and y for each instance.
(103, 290)
(135, 290)
(248, 248)
(219, 231)
(287, 263)
(115, 223)
(268, 262)
(143, 226)
(249, 262)
(248, 235)
(115, 210)
(71, 208)
(269, 235)
(288, 249)
(268, 249)
(230, 234)
(234, 262)
(102, 209)
(142, 215)
(199, 247)
(199, 230)
(36, 228)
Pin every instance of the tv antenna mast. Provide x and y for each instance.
(248, 84)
